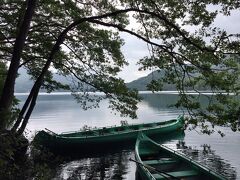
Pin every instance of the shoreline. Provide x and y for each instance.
(140, 92)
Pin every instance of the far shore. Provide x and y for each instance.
(140, 92)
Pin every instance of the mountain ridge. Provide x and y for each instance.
(24, 83)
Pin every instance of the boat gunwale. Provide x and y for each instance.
(122, 132)
(192, 161)
(199, 166)
(138, 158)
(128, 125)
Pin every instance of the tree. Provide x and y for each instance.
(6, 100)
(3, 71)
(94, 64)
(80, 39)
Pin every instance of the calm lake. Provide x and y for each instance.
(59, 112)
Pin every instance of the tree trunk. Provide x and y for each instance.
(29, 112)
(31, 100)
(8, 89)
(24, 109)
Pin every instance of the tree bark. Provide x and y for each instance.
(8, 89)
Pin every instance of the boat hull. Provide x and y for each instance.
(115, 137)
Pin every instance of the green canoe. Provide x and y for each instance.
(155, 162)
(117, 135)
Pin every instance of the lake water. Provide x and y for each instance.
(59, 112)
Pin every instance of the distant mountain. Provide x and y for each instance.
(141, 83)
(24, 82)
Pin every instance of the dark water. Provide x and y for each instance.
(59, 112)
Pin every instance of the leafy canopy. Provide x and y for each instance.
(181, 35)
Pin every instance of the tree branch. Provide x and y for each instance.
(34, 92)
(128, 31)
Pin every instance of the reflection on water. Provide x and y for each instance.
(61, 113)
(208, 157)
(114, 165)
(108, 166)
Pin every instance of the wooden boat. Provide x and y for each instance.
(156, 162)
(117, 135)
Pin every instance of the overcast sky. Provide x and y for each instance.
(134, 49)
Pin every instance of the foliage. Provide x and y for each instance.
(39, 163)
(44, 163)
(89, 55)
(14, 108)
(192, 52)
(13, 159)
(81, 40)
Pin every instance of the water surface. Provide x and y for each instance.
(60, 113)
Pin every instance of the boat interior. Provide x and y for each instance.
(164, 165)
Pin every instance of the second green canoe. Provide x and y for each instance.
(156, 162)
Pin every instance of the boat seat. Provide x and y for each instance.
(147, 152)
(159, 162)
(178, 174)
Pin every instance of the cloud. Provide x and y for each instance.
(135, 49)
(229, 23)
